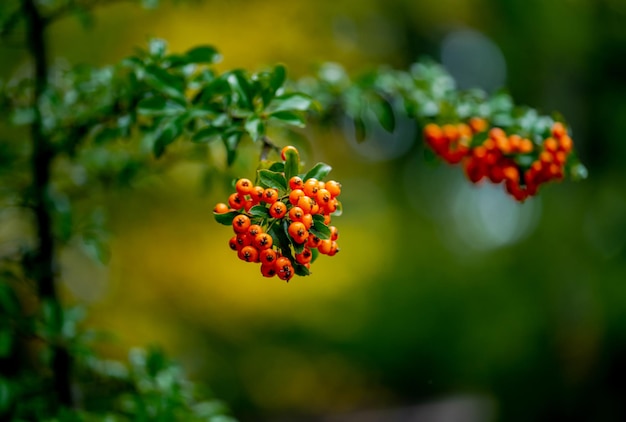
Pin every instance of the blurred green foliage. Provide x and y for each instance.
(440, 288)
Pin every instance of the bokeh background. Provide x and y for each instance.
(443, 293)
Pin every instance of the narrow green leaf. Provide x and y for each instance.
(360, 131)
(170, 85)
(255, 128)
(297, 247)
(270, 179)
(289, 118)
(384, 113)
(260, 211)
(157, 105)
(231, 140)
(292, 164)
(278, 77)
(204, 54)
(301, 270)
(226, 218)
(241, 87)
(320, 230)
(291, 102)
(278, 166)
(319, 171)
(314, 254)
(206, 134)
(166, 134)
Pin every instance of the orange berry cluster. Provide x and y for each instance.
(490, 153)
(283, 224)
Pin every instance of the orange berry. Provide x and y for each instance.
(295, 183)
(270, 195)
(282, 263)
(232, 243)
(244, 186)
(304, 257)
(504, 145)
(294, 195)
(254, 229)
(298, 232)
(310, 187)
(296, 214)
(221, 208)
(306, 204)
(450, 132)
(478, 124)
(256, 194)
(307, 220)
(313, 241)
(248, 254)
(515, 141)
(558, 130)
(263, 241)
(268, 256)
(334, 248)
(566, 144)
(551, 145)
(241, 223)
(334, 188)
(479, 152)
(325, 246)
(496, 133)
(545, 157)
(511, 173)
(475, 170)
(268, 270)
(526, 146)
(286, 274)
(560, 157)
(278, 209)
(327, 219)
(283, 152)
(331, 207)
(242, 240)
(334, 233)
(464, 131)
(236, 201)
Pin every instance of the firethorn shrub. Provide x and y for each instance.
(282, 221)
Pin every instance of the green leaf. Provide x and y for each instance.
(278, 166)
(157, 105)
(384, 113)
(314, 254)
(291, 102)
(292, 164)
(166, 134)
(289, 118)
(170, 85)
(255, 128)
(320, 229)
(207, 134)
(319, 171)
(204, 54)
(260, 211)
(231, 140)
(301, 270)
(360, 131)
(226, 218)
(270, 179)
(279, 75)
(241, 87)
